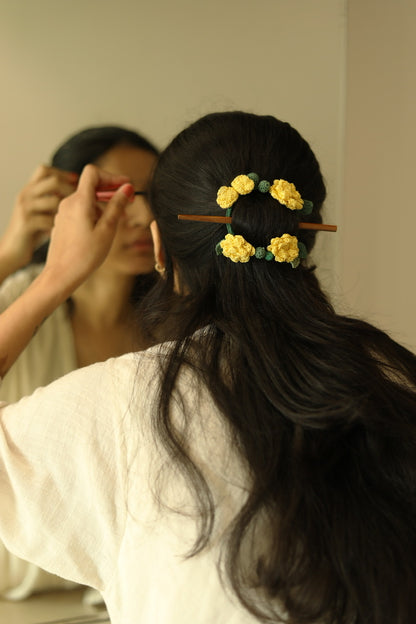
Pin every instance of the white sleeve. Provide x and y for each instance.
(63, 472)
(14, 285)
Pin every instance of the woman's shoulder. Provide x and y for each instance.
(117, 384)
(139, 374)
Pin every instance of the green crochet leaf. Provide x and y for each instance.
(307, 207)
(303, 252)
(218, 249)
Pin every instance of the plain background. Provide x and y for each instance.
(340, 71)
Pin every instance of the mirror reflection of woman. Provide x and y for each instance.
(95, 323)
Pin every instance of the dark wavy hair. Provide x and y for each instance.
(88, 146)
(321, 407)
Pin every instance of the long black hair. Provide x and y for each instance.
(322, 407)
(88, 146)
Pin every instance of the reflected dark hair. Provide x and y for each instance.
(88, 146)
(320, 406)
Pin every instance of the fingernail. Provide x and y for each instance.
(128, 190)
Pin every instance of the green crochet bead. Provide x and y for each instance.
(263, 186)
(218, 249)
(303, 252)
(260, 252)
(254, 177)
(295, 263)
(269, 256)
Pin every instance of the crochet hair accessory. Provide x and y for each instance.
(285, 248)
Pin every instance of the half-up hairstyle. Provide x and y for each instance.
(322, 406)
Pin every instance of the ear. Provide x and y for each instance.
(157, 244)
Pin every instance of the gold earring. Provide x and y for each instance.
(159, 268)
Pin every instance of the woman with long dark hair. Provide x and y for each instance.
(257, 465)
(95, 323)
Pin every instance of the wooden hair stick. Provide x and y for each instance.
(214, 219)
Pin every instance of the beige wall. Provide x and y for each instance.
(378, 252)
(158, 65)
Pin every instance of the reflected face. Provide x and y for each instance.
(132, 250)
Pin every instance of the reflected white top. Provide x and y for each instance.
(49, 355)
(51, 352)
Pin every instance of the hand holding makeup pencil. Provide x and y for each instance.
(80, 239)
(84, 229)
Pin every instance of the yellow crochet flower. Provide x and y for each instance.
(284, 248)
(243, 184)
(226, 196)
(286, 193)
(236, 248)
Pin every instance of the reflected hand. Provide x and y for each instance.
(33, 214)
(80, 239)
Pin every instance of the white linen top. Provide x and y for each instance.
(79, 467)
(49, 355)
(51, 352)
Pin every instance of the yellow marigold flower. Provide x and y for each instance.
(286, 193)
(243, 184)
(226, 196)
(236, 248)
(284, 248)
